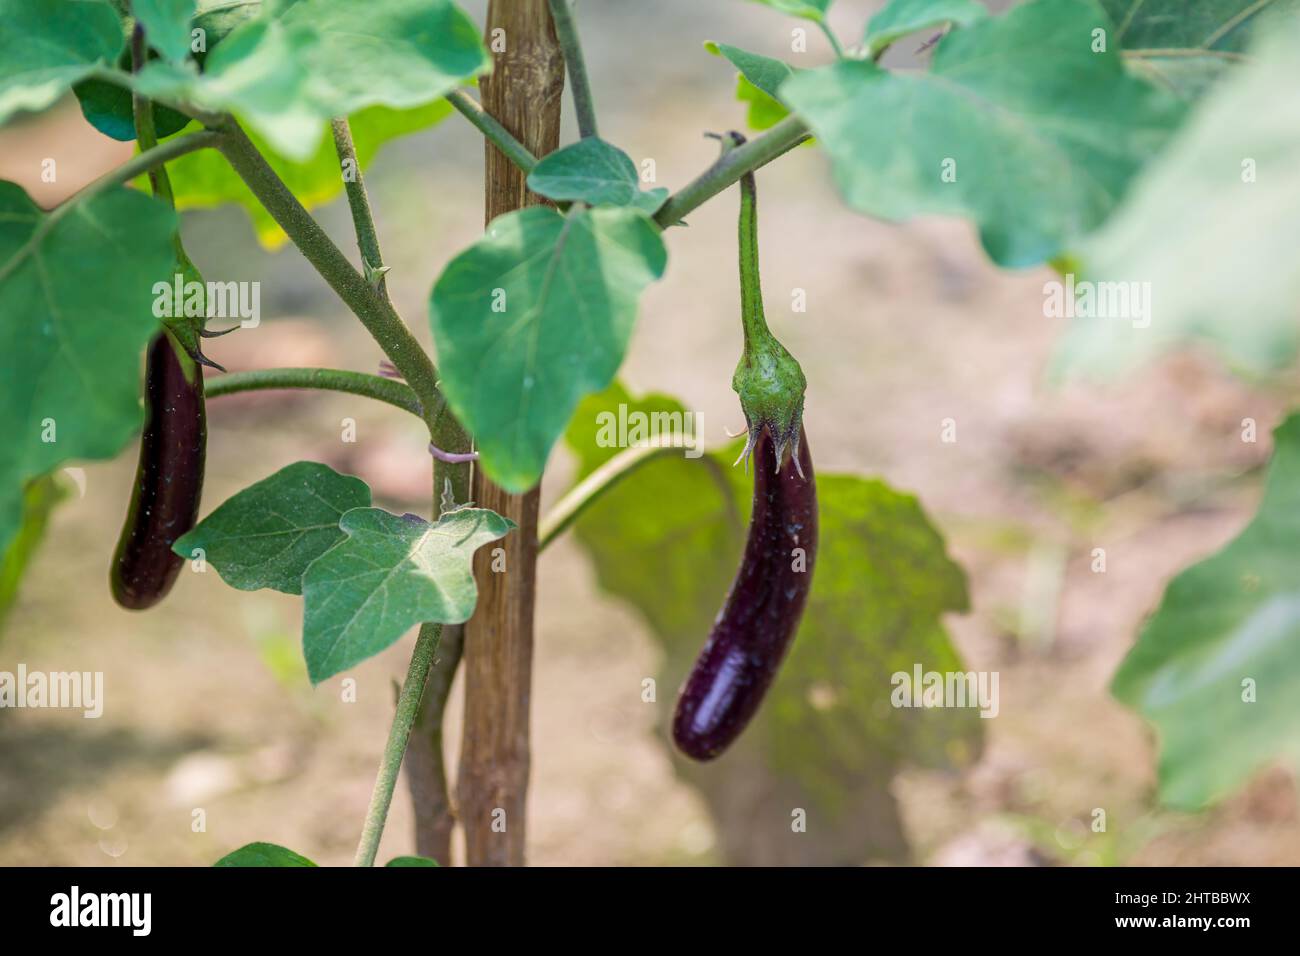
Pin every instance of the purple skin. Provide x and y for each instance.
(169, 479)
(758, 621)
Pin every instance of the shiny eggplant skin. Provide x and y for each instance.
(758, 620)
(168, 481)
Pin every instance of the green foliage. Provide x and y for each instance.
(411, 861)
(388, 575)
(594, 172)
(166, 25)
(47, 45)
(285, 76)
(75, 287)
(1183, 46)
(814, 10)
(108, 108)
(1040, 136)
(39, 500)
(263, 854)
(667, 540)
(757, 83)
(266, 535)
(898, 18)
(534, 316)
(1216, 669)
(1222, 269)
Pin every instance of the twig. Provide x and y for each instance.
(327, 379)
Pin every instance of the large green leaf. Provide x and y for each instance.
(534, 316)
(388, 575)
(1212, 229)
(1217, 668)
(1186, 46)
(263, 854)
(77, 300)
(594, 172)
(204, 179)
(286, 76)
(1038, 135)
(266, 535)
(166, 25)
(47, 45)
(667, 540)
(898, 18)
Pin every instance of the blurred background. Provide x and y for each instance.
(208, 704)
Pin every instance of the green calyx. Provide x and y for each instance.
(768, 379)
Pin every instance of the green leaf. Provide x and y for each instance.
(204, 179)
(1222, 269)
(594, 172)
(411, 861)
(668, 539)
(267, 534)
(286, 77)
(217, 18)
(263, 854)
(1183, 46)
(898, 18)
(534, 316)
(166, 25)
(1232, 618)
(47, 45)
(108, 108)
(757, 83)
(39, 500)
(814, 10)
(76, 288)
(1018, 125)
(388, 575)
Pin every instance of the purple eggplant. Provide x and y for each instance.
(169, 477)
(757, 623)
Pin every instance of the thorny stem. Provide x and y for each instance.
(359, 202)
(327, 379)
(374, 311)
(408, 705)
(566, 32)
(777, 141)
(500, 137)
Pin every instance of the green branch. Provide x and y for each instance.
(834, 40)
(374, 311)
(408, 705)
(780, 139)
(566, 31)
(363, 220)
(486, 124)
(582, 495)
(325, 379)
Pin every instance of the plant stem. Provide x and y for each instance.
(408, 705)
(328, 379)
(359, 202)
(146, 135)
(760, 151)
(374, 311)
(834, 41)
(501, 138)
(579, 85)
(586, 492)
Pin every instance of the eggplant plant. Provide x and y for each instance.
(1036, 125)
